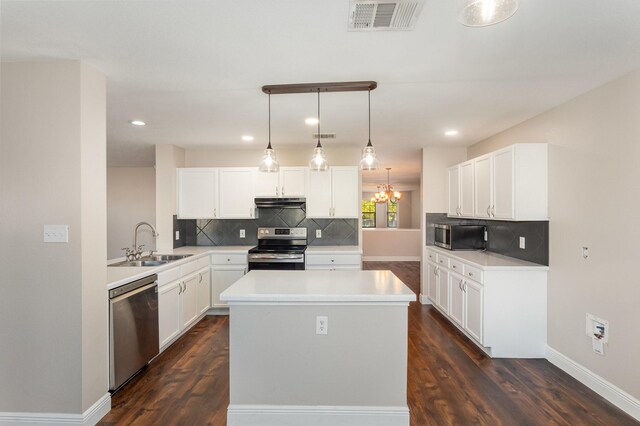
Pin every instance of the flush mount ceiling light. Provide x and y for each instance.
(269, 164)
(247, 138)
(311, 121)
(319, 162)
(481, 13)
(386, 193)
(137, 123)
(451, 133)
(369, 159)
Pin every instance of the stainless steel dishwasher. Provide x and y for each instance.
(133, 328)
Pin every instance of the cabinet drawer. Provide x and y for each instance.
(228, 259)
(456, 266)
(190, 267)
(431, 256)
(334, 259)
(443, 261)
(473, 273)
(166, 277)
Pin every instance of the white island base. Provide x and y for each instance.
(282, 372)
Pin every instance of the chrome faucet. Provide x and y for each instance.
(137, 250)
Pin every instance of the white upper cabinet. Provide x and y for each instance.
(293, 181)
(197, 193)
(288, 182)
(236, 193)
(266, 184)
(344, 185)
(508, 184)
(453, 178)
(319, 194)
(483, 186)
(333, 193)
(466, 189)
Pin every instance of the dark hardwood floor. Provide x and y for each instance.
(450, 381)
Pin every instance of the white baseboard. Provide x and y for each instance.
(424, 299)
(89, 418)
(290, 415)
(602, 387)
(391, 258)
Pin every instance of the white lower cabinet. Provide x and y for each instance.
(502, 309)
(334, 261)
(189, 300)
(221, 279)
(204, 290)
(169, 312)
(226, 269)
(181, 291)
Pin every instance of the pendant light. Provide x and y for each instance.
(481, 13)
(318, 162)
(369, 160)
(269, 162)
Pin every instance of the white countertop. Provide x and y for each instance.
(318, 286)
(119, 275)
(489, 261)
(334, 249)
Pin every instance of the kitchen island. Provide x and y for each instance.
(318, 348)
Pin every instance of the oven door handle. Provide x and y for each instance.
(276, 260)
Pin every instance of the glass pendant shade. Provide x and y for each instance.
(318, 162)
(269, 162)
(369, 160)
(481, 13)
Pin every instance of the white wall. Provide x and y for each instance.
(131, 198)
(594, 199)
(416, 209)
(391, 244)
(168, 159)
(53, 309)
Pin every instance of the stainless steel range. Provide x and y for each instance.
(279, 248)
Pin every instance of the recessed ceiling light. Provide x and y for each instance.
(247, 138)
(451, 133)
(311, 121)
(138, 123)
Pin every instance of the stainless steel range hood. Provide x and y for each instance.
(279, 203)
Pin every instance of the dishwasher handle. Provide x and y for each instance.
(134, 285)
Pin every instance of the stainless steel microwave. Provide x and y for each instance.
(460, 237)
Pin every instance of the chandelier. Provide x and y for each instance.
(386, 193)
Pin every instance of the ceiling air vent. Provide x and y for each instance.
(387, 15)
(324, 136)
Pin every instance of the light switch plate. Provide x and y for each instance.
(318, 233)
(177, 235)
(322, 325)
(56, 233)
(522, 243)
(242, 233)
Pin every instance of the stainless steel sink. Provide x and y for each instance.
(167, 257)
(155, 260)
(141, 263)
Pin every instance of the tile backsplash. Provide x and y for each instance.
(503, 236)
(226, 232)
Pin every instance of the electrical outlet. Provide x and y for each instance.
(322, 325)
(242, 234)
(486, 236)
(522, 243)
(585, 252)
(56, 233)
(177, 235)
(318, 233)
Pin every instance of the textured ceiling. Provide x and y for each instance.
(193, 69)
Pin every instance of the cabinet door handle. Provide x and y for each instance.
(282, 191)
(200, 278)
(250, 211)
(215, 214)
(460, 285)
(180, 286)
(464, 286)
(436, 270)
(493, 211)
(277, 193)
(489, 211)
